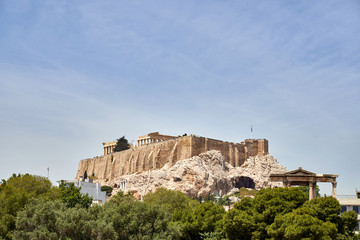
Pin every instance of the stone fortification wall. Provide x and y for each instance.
(155, 155)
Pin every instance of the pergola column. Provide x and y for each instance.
(286, 183)
(312, 190)
(334, 189)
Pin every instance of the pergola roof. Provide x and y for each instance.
(300, 175)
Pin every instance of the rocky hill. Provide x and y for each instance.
(206, 173)
(155, 155)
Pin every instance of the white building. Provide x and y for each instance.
(351, 203)
(90, 188)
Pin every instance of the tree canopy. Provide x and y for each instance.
(284, 213)
(121, 144)
(71, 196)
(31, 208)
(107, 189)
(16, 192)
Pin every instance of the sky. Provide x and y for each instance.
(74, 74)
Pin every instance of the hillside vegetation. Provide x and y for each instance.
(30, 208)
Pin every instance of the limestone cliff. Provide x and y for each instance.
(207, 173)
(156, 155)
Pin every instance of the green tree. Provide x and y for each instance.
(271, 202)
(172, 200)
(121, 144)
(16, 192)
(71, 196)
(240, 220)
(207, 218)
(348, 223)
(284, 213)
(250, 217)
(81, 223)
(305, 189)
(301, 223)
(326, 209)
(107, 189)
(38, 220)
(54, 220)
(134, 219)
(180, 206)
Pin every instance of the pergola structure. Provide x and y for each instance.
(301, 177)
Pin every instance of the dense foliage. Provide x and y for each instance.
(284, 213)
(305, 189)
(72, 196)
(16, 192)
(30, 208)
(107, 189)
(121, 144)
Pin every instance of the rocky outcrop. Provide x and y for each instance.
(207, 173)
(258, 169)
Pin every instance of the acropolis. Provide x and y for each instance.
(153, 150)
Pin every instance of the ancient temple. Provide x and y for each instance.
(301, 177)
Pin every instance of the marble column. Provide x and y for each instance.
(334, 184)
(312, 190)
(287, 184)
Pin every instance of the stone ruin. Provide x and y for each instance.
(173, 161)
(154, 150)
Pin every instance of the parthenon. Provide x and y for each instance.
(147, 139)
(153, 138)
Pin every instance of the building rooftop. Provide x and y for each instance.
(349, 201)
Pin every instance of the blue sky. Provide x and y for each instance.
(74, 74)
